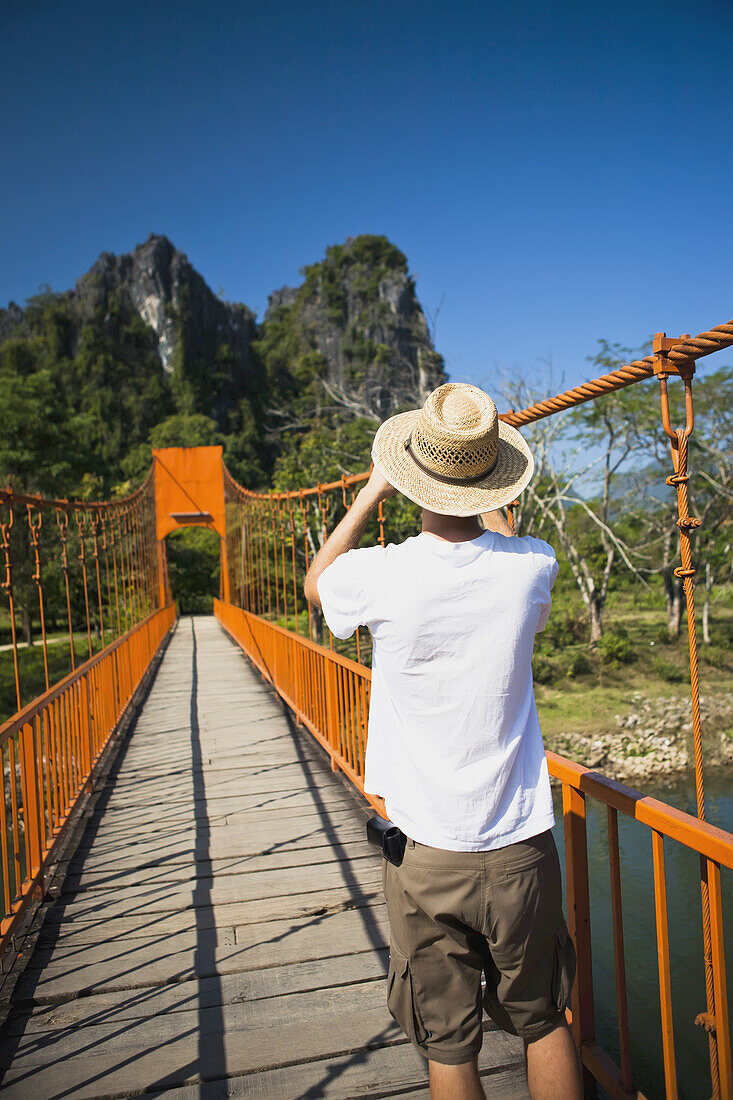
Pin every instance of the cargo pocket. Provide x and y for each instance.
(563, 973)
(401, 998)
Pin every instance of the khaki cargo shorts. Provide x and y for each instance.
(459, 917)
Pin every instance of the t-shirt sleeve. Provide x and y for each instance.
(548, 567)
(345, 588)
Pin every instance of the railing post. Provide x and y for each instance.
(722, 1019)
(576, 870)
(275, 648)
(89, 722)
(663, 963)
(31, 805)
(162, 594)
(331, 710)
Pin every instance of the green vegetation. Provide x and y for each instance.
(580, 689)
(193, 567)
(635, 644)
(88, 399)
(340, 306)
(362, 263)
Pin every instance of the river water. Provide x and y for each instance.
(685, 931)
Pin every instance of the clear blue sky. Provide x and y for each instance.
(554, 171)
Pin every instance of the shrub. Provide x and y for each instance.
(615, 648)
(714, 655)
(667, 670)
(580, 664)
(565, 628)
(543, 670)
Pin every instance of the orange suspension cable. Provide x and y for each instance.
(7, 586)
(34, 527)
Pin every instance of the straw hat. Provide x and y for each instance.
(454, 456)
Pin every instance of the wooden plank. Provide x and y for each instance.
(384, 1072)
(131, 871)
(182, 792)
(235, 1038)
(203, 915)
(76, 972)
(282, 817)
(118, 1006)
(219, 842)
(142, 792)
(191, 1055)
(333, 931)
(145, 894)
(148, 1056)
(214, 803)
(291, 1010)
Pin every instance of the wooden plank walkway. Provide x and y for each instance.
(220, 930)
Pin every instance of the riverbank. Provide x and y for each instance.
(651, 738)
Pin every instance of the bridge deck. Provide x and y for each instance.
(220, 930)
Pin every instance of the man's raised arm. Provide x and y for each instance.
(347, 534)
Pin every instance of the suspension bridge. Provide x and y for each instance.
(189, 903)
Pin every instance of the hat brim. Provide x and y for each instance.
(509, 477)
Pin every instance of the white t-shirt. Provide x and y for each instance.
(454, 744)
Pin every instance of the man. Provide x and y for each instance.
(454, 743)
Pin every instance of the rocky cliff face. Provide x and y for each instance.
(204, 342)
(357, 320)
(172, 298)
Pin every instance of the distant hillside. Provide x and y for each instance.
(142, 353)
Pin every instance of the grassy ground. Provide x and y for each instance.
(590, 709)
(584, 703)
(581, 691)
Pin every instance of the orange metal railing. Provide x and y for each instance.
(271, 539)
(84, 571)
(49, 751)
(90, 580)
(327, 692)
(715, 849)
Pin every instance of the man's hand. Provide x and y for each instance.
(377, 488)
(496, 521)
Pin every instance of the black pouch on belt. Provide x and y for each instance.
(387, 837)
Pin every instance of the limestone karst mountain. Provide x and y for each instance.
(358, 321)
(142, 338)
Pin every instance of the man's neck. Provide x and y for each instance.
(451, 528)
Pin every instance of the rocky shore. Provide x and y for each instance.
(654, 739)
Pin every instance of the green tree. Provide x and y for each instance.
(38, 454)
(582, 460)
